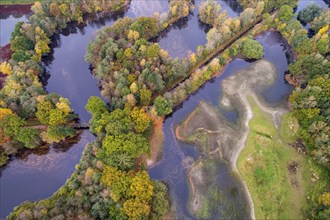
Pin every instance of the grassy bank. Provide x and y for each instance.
(281, 181)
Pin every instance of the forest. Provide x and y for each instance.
(142, 83)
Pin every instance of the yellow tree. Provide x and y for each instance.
(140, 119)
(6, 68)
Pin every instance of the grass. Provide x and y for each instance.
(277, 192)
(18, 2)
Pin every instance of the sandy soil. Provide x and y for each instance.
(156, 143)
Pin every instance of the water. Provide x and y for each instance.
(277, 53)
(170, 168)
(38, 176)
(184, 37)
(304, 3)
(7, 25)
(69, 73)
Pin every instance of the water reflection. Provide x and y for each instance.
(67, 72)
(184, 37)
(170, 169)
(7, 25)
(39, 174)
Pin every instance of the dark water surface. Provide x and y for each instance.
(39, 176)
(190, 32)
(7, 25)
(170, 168)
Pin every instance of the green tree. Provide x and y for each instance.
(57, 134)
(145, 97)
(95, 105)
(163, 107)
(247, 16)
(285, 13)
(29, 137)
(21, 43)
(321, 21)
(153, 50)
(309, 13)
(136, 209)
(117, 122)
(43, 112)
(208, 11)
(252, 49)
(132, 145)
(160, 202)
(119, 182)
(11, 125)
(145, 26)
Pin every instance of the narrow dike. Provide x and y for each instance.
(212, 55)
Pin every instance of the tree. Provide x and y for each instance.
(95, 105)
(21, 56)
(252, 49)
(131, 144)
(140, 119)
(320, 21)
(3, 137)
(4, 112)
(57, 134)
(208, 11)
(118, 181)
(285, 13)
(11, 125)
(301, 43)
(21, 43)
(153, 50)
(43, 112)
(136, 209)
(160, 202)
(117, 122)
(29, 137)
(142, 188)
(163, 107)
(145, 26)
(309, 13)
(56, 117)
(6, 68)
(247, 16)
(133, 35)
(145, 96)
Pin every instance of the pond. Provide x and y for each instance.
(39, 176)
(171, 170)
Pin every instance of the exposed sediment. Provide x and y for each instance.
(228, 139)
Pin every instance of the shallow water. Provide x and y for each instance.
(39, 176)
(170, 168)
